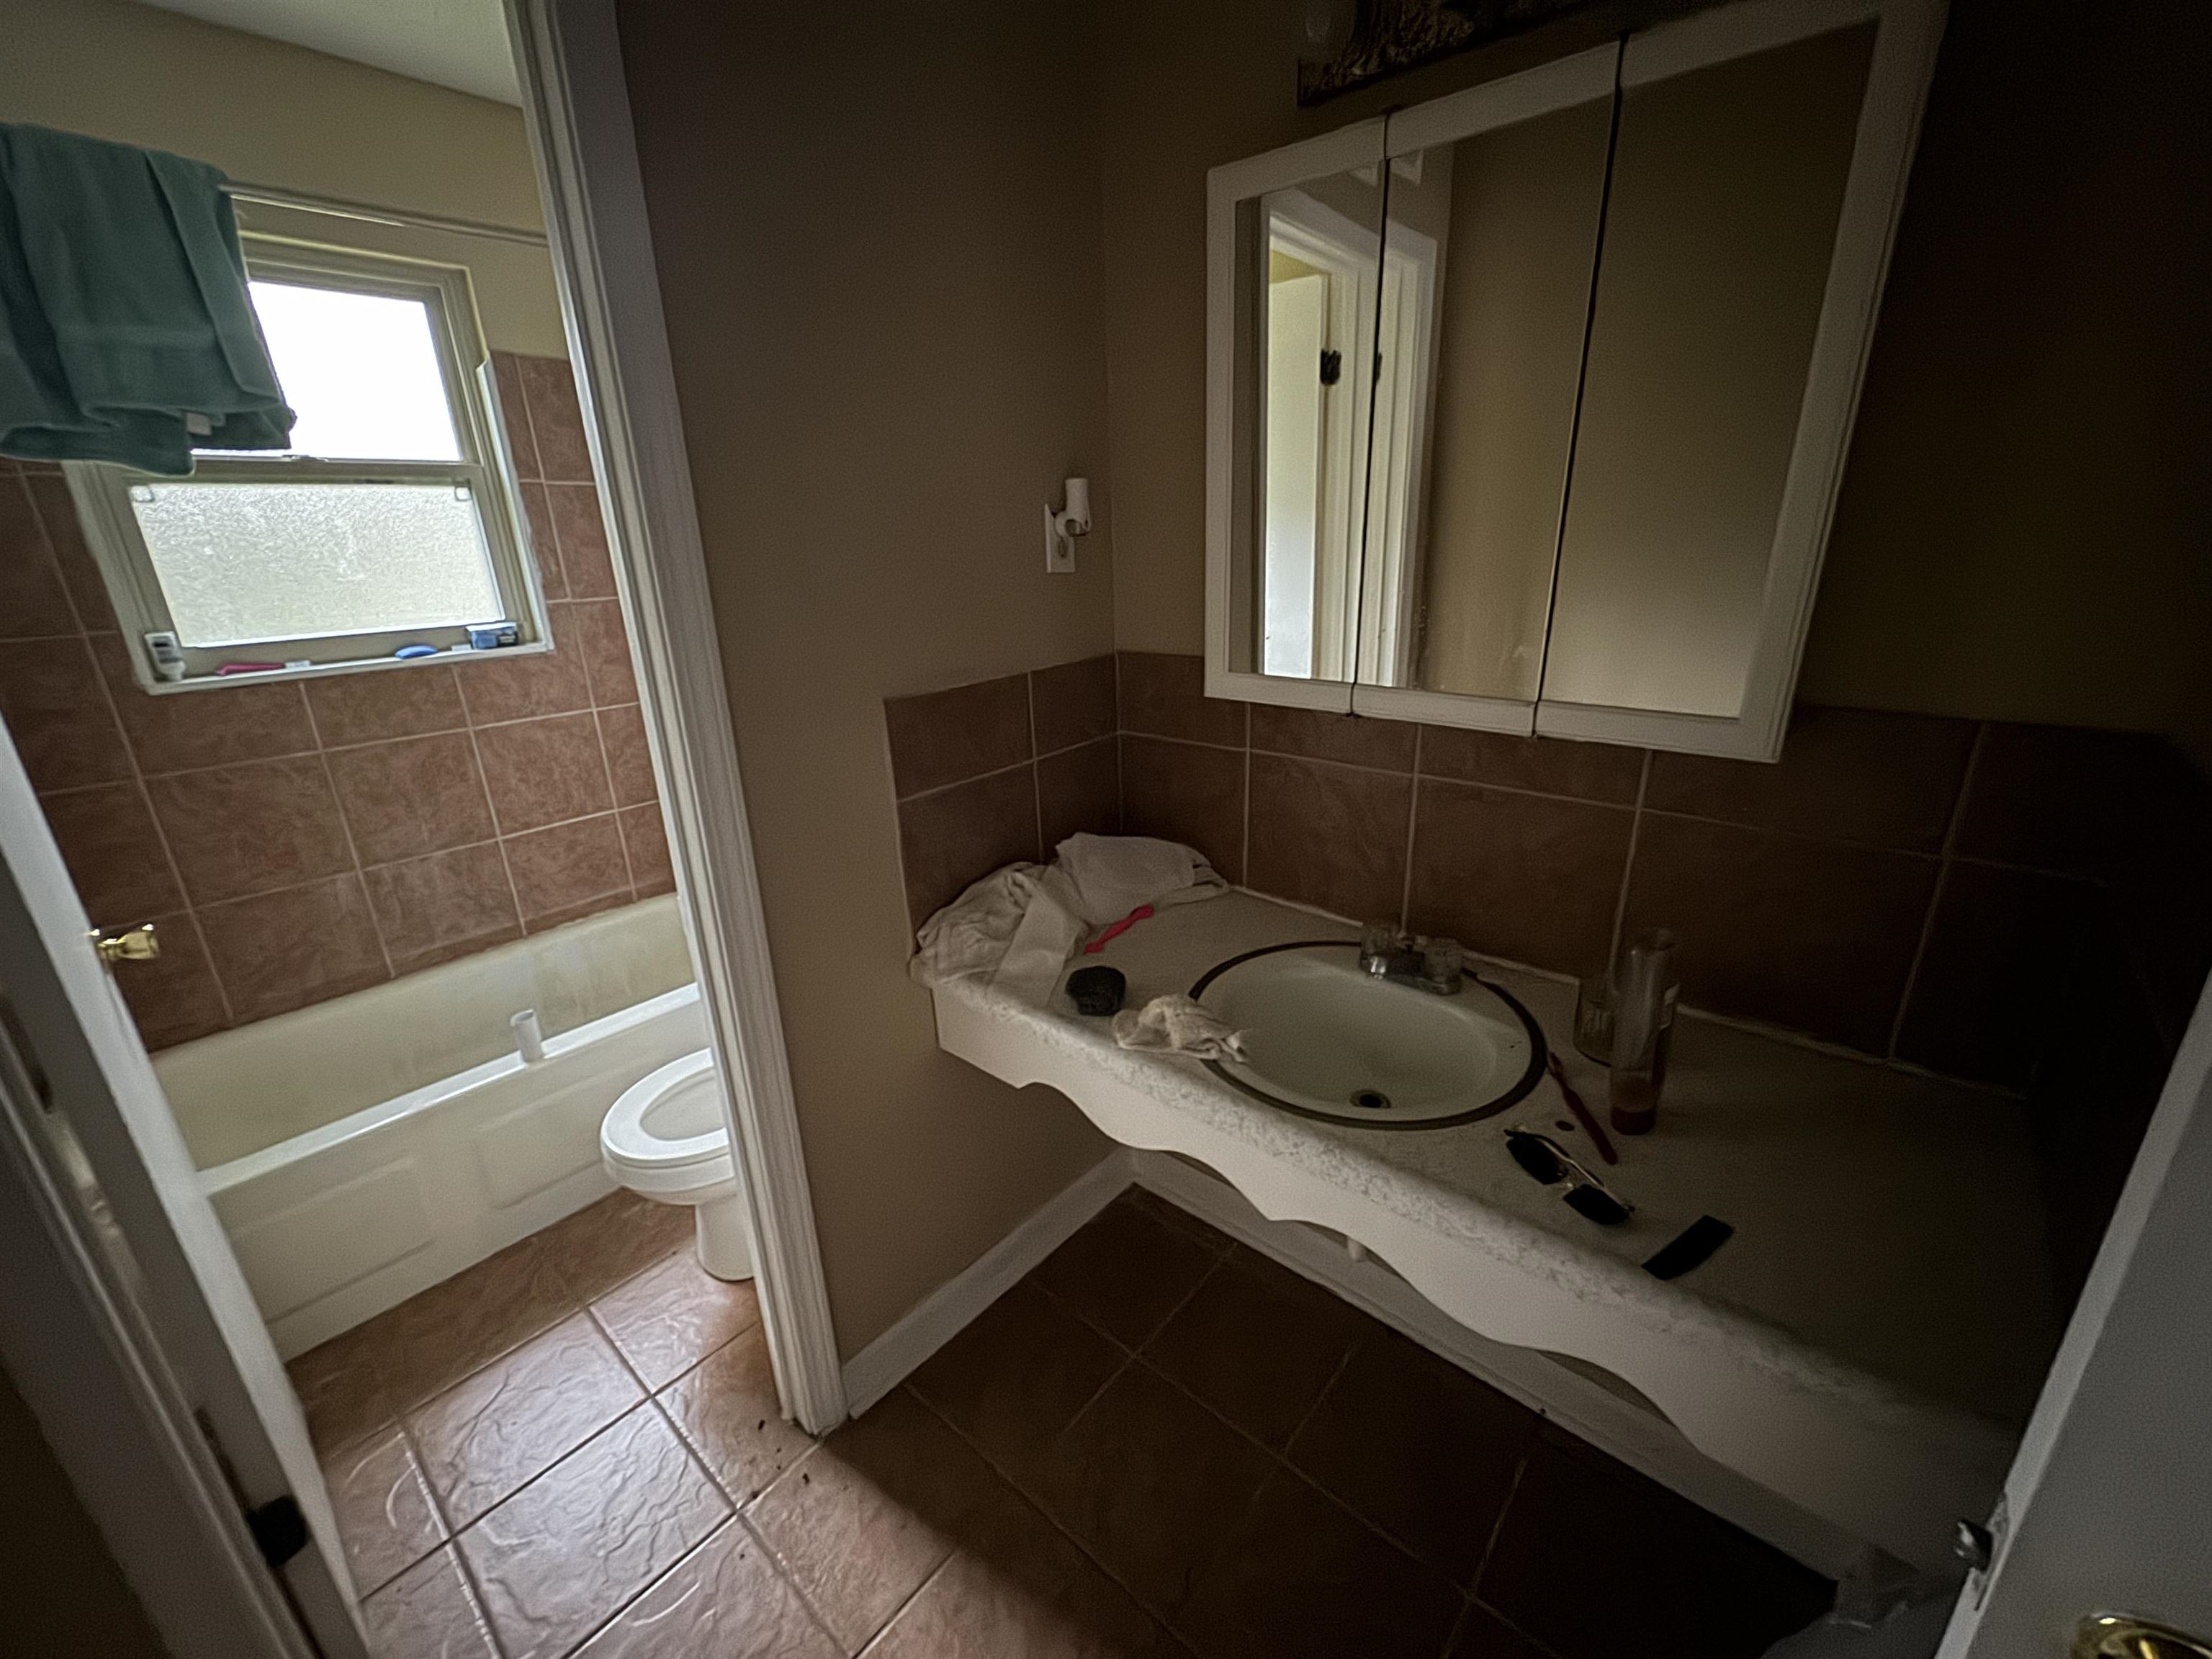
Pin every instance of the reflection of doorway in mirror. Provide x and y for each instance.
(1405, 392)
(1322, 299)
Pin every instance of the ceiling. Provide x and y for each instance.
(461, 44)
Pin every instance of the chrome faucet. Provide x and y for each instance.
(1433, 965)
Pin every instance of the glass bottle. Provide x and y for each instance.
(1642, 1029)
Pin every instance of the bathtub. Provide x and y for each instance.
(359, 1151)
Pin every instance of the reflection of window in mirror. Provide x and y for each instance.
(1323, 249)
(1487, 271)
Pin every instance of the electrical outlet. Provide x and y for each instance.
(1058, 550)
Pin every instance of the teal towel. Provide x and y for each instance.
(126, 333)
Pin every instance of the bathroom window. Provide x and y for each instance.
(390, 527)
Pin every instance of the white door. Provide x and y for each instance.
(109, 1126)
(2108, 1507)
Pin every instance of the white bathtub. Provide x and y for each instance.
(361, 1151)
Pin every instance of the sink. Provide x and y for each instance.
(1323, 1039)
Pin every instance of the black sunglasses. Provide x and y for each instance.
(1551, 1164)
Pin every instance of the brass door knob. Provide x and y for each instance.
(131, 944)
(2115, 1636)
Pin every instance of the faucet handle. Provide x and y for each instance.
(1377, 936)
(1443, 963)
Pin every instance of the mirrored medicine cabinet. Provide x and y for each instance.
(1528, 406)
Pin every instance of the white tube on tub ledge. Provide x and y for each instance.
(529, 1035)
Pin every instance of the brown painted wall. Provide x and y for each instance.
(877, 228)
(297, 841)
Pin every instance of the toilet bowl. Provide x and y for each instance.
(666, 1139)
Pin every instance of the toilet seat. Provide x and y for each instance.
(666, 1134)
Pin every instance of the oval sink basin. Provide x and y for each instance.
(1324, 1040)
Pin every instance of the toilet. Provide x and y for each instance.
(666, 1139)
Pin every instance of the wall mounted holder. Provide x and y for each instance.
(1062, 528)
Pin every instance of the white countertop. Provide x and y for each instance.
(1888, 1268)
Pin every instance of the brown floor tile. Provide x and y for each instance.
(490, 1434)
(1419, 1448)
(622, 1234)
(1150, 1482)
(569, 1550)
(1211, 1237)
(431, 1342)
(861, 1522)
(386, 1516)
(1126, 1271)
(1258, 1344)
(1300, 1576)
(726, 1407)
(342, 1389)
(1022, 1591)
(1017, 1375)
(1669, 1579)
(724, 1600)
(428, 1612)
(1484, 1635)
(673, 1316)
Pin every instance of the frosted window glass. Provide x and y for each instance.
(241, 562)
(361, 371)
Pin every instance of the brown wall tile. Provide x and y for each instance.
(1990, 977)
(645, 837)
(944, 737)
(116, 857)
(50, 697)
(604, 647)
(1519, 876)
(284, 950)
(629, 758)
(1347, 737)
(211, 728)
(587, 566)
(416, 795)
(447, 905)
(1074, 703)
(1846, 774)
(555, 419)
(1816, 936)
(241, 829)
(174, 998)
(541, 772)
(2057, 797)
(524, 688)
(1183, 791)
(1164, 695)
(1080, 789)
(1549, 766)
(514, 414)
(34, 603)
(1329, 836)
(557, 870)
(411, 797)
(953, 836)
(396, 702)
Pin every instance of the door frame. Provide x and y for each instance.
(576, 107)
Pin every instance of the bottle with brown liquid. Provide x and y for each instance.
(1643, 1030)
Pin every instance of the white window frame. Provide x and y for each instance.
(102, 492)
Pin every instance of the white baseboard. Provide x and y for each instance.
(938, 1318)
(1621, 1425)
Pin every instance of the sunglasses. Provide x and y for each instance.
(1551, 1164)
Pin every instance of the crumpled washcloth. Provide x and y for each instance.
(1176, 1024)
(1020, 924)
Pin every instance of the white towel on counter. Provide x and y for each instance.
(1021, 923)
(1176, 1024)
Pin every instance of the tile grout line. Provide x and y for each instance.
(935, 789)
(353, 847)
(1498, 1525)
(1037, 784)
(1935, 893)
(1628, 865)
(1413, 823)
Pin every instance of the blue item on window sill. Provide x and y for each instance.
(409, 652)
(490, 636)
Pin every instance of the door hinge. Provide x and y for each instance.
(279, 1529)
(1332, 368)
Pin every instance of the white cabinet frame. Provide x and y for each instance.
(1902, 64)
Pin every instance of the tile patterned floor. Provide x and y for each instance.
(1159, 1444)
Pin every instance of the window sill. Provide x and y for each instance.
(323, 671)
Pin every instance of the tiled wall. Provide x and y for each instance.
(298, 841)
(1913, 887)
(989, 774)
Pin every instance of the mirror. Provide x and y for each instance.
(1309, 255)
(1535, 409)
